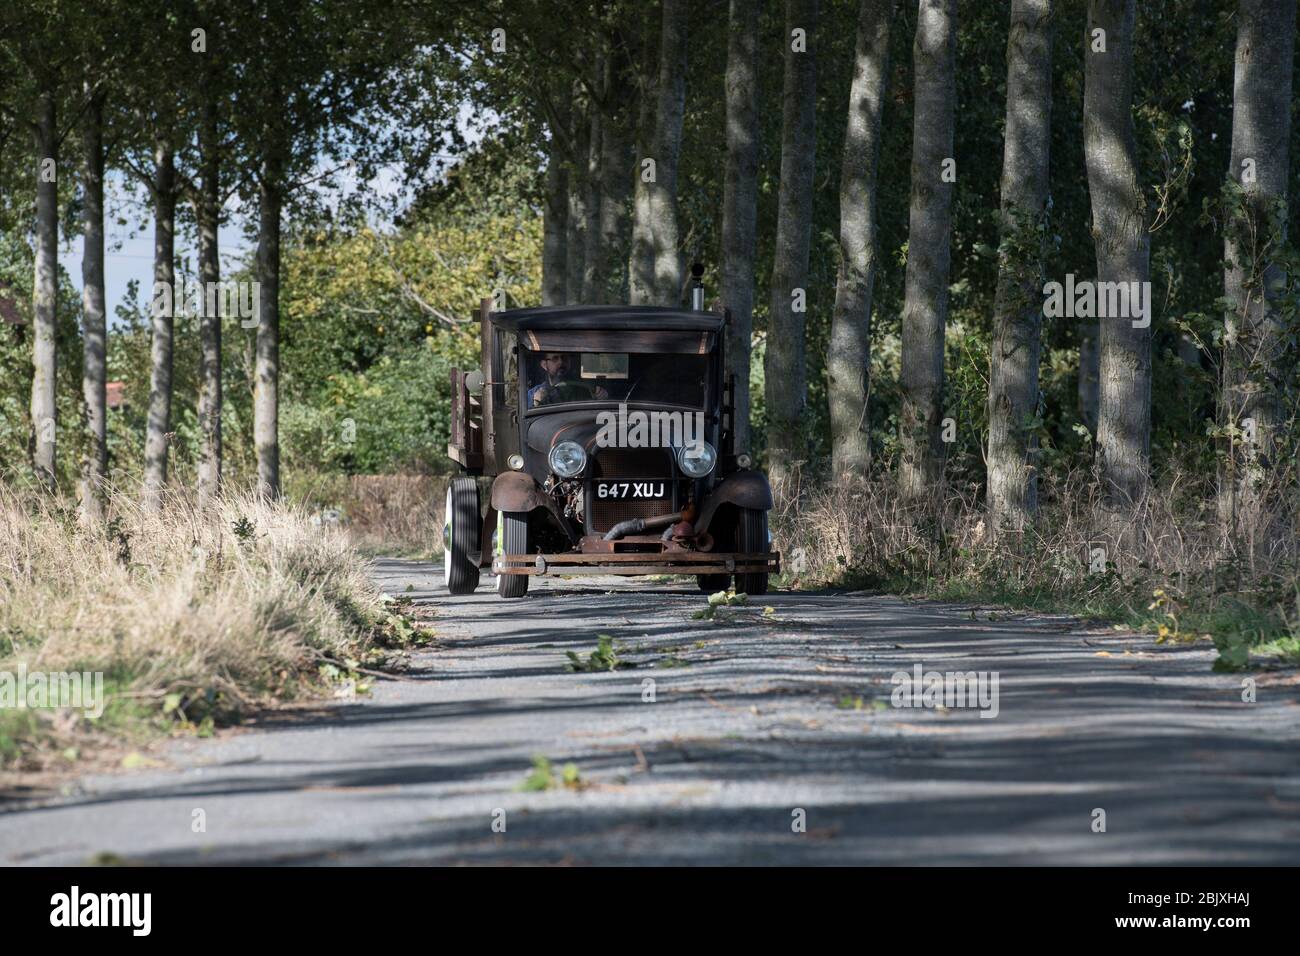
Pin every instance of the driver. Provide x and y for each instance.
(557, 388)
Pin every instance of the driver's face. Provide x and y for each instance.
(554, 364)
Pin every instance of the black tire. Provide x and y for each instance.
(753, 540)
(512, 538)
(460, 537)
(713, 583)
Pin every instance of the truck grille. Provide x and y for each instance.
(628, 463)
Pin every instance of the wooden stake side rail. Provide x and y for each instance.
(669, 562)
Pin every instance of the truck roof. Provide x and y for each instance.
(609, 317)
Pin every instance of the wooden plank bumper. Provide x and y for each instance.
(666, 562)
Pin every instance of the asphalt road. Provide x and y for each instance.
(771, 738)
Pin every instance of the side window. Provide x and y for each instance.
(510, 367)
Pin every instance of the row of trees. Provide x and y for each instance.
(1253, 353)
(203, 102)
(661, 132)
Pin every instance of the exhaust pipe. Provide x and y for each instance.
(637, 525)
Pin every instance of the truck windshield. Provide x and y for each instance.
(561, 378)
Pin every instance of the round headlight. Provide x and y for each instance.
(743, 460)
(698, 460)
(567, 459)
(516, 462)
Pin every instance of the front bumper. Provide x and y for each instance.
(637, 563)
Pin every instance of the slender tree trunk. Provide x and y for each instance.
(786, 388)
(615, 183)
(555, 224)
(163, 322)
(208, 214)
(667, 149)
(925, 311)
(849, 358)
(576, 239)
(1258, 360)
(266, 397)
(1018, 305)
(45, 292)
(1123, 249)
(641, 259)
(740, 203)
(94, 466)
(592, 260)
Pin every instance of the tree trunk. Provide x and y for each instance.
(555, 224)
(849, 358)
(1018, 305)
(1256, 363)
(208, 214)
(666, 151)
(266, 397)
(615, 183)
(162, 319)
(785, 386)
(641, 258)
(592, 260)
(1123, 249)
(94, 336)
(576, 237)
(925, 310)
(740, 203)
(45, 292)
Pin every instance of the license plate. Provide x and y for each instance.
(630, 490)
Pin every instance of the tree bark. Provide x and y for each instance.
(576, 224)
(94, 336)
(555, 224)
(266, 396)
(785, 385)
(925, 310)
(1018, 306)
(592, 260)
(1123, 247)
(1257, 359)
(849, 359)
(162, 319)
(740, 203)
(615, 183)
(208, 215)
(666, 151)
(641, 257)
(45, 293)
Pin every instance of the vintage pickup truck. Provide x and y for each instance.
(607, 433)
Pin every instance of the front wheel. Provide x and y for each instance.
(460, 537)
(512, 538)
(753, 540)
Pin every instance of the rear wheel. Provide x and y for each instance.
(512, 538)
(460, 537)
(753, 540)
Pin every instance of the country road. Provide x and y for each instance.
(758, 721)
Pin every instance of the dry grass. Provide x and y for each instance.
(224, 611)
(399, 515)
(1163, 565)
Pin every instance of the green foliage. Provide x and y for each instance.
(543, 777)
(603, 658)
